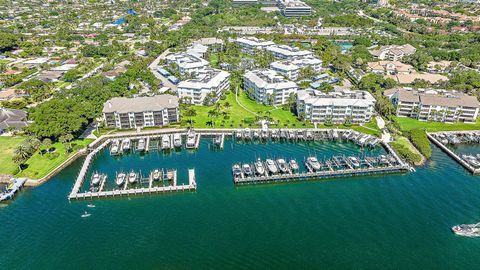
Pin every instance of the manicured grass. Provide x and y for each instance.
(251, 104)
(7, 146)
(40, 165)
(405, 149)
(407, 124)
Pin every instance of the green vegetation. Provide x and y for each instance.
(406, 150)
(7, 149)
(407, 124)
(40, 165)
(419, 138)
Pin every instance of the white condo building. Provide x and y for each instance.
(336, 107)
(251, 44)
(267, 87)
(206, 81)
(294, 8)
(187, 63)
(291, 68)
(287, 52)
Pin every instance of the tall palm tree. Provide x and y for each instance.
(22, 151)
(190, 113)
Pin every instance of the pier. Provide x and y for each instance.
(465, 164)
(305, 176)
(191, 186)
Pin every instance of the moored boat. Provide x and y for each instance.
(96, 178)
(272, 168)
(177, 140)
(354, 161)
(191, 140)
(126, 144)
(114, 150)
(282, 165)
(141, 145)
(156, 175)
(259, 168)
(293, 165)
(236, 171)
(313, 163)
(247, 170)
(120, 179)
(132, 177)
(165, 142)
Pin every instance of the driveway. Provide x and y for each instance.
(153, 68)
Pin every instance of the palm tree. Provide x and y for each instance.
(32, 143)
(22, 152)
(213, 113)
(190, 113)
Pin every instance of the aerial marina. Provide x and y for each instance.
(160, 179)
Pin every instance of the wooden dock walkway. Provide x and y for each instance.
(304, 176)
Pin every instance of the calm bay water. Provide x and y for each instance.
(381, 222)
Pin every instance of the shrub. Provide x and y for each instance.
(419, 138)
(406, 153)
(52, 156)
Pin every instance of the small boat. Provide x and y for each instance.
(354, 161)
(256, 134)
(191, 140)
(264, 134)
(272, 168)
(259, 167)
(236, 171)
(293, 165)
(96, 178)
(291, 134)
(132, 177)
(120, 179)
(86, 214)
(247, 170)
(91, 205)
(170, 175)
(114, 150)
(247, 134)
(126, 144)
(141, 145)
(177, 140)
(282, 165)
(156, 175)
(238, 134)
(165, 142)
(217, 140)
(313, 163)
(309, 135)
(469, 230)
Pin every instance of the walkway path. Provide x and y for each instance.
(153, 66)
(238, 102)
(386, 137)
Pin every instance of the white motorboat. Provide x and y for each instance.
(120, 179)
(96, 178)
(313, 163)
(293, 165)
(85, 214)
(282, 165)
(177, 140)
(165, 142)
(191, 140)
(126, 144)
(217, 140)
(141, 145)
(259, 167)
(272, 168)
(256, 134)
(354, 161)
(469, 230)
(236, 171)
(247, 170)
(170, 175)
(114, 150)
(156, 175)
(132, 177)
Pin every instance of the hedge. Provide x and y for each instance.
(419, 138)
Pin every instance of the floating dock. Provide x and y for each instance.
(12, 189)
(452, 154)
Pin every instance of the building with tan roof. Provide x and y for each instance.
(434, 105)
(410, 78)
(393, 52)
(390, 68)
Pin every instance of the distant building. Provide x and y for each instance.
(206, 81)
(337, 107)
(434, 105)
(267, 87)
(393, 52)
(291, 68)
(123, 113)
(294, 8)
(252, 44)
(244, 2)
(287, 52)
(390, 67)
(15, 119)
(439, 67)
(186, 63)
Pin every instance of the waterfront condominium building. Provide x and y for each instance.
(291, 68)
(393, 52)
(434, 105)
(205, 82)
(346, 106)
(268, 87)
(251, 44)
(294, 8)
(187, 63)
(244, 2)
(287, 52)
(139, 112)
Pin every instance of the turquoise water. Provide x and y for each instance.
(389, 222)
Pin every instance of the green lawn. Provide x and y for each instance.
(7, 146)
(40, 165)
(407, 124)
(405, 148)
